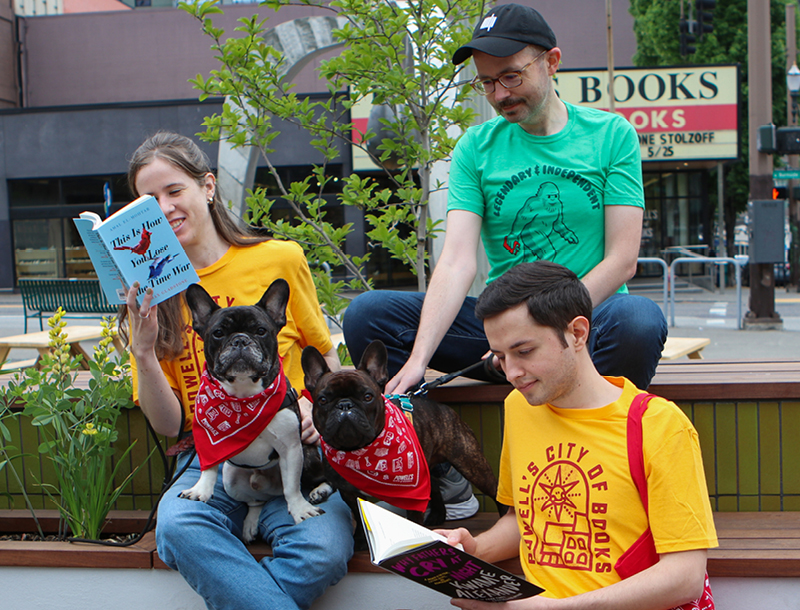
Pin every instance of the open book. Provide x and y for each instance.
(136, 244)
(419, 554)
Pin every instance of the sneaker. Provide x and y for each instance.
(459, 501)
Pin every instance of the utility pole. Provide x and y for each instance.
(762, 314)
(722, 249)
(610, 51)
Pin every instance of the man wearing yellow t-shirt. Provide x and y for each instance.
(564, 466)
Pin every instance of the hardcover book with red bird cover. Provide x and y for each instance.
(136, 244)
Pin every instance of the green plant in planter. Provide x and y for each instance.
(78, 426)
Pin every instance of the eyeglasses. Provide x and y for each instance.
(509, 80)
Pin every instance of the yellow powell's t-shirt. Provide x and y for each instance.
(566, 472)
(240, 277)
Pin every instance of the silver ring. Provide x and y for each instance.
(144, 317)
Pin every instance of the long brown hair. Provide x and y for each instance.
(182, 153)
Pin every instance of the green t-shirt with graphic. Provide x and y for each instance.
(542, 197)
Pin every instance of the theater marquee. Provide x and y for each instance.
(686, 113)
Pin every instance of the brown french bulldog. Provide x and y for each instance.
(350, 414)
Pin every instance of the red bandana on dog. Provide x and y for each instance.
(224, 425)
(391, 468)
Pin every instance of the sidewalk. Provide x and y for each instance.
(698, 313)
(701, 313)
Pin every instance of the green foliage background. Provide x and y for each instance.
(656, 25)
(395, 53)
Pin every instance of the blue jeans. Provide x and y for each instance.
(628, 334)
(203, 542)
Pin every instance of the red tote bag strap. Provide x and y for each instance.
(643, 553)
(636, 446)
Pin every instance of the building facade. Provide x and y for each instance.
(80, 90)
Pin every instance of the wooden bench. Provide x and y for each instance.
(676, 347)
(750, 544)
(777, 379)
(759, 553)
(18, 365)
(41, 342)
(747, 414)
(78, 298)
(728, 380)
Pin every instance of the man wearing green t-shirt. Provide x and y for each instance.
(545, 180)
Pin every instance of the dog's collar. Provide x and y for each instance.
(404, 402)
(273, 459)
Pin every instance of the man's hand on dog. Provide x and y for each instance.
(308, 433)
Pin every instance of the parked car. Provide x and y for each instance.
(782, 274)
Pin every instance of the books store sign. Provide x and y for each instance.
(686, 113)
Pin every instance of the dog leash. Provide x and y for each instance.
(429, 385)
(404, 400)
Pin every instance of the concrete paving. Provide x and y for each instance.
(713, 314)
(698, 313)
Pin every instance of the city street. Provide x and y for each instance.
(698, 313)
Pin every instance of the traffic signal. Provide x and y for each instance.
(687, 39)
(703, 17)
(780, 192)
(773, 140)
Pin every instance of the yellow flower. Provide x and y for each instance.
(89, 430)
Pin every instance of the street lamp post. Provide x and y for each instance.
(793, 86)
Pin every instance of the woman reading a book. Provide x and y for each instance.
(198, 539)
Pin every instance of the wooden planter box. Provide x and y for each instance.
(75, 555)
(36, 575)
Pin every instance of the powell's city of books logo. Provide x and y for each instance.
(488, 23)
(573, 535)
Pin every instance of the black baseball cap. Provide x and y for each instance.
(506, 30)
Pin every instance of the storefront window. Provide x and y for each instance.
(37, 248)
(46, 243)
(676, 214)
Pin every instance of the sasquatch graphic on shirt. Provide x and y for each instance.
(539, 228)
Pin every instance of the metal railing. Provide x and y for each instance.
(668, 280)
(664, 277)
(715, 261)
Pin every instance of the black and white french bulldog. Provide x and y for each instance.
(350, 414)
(246, 415)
